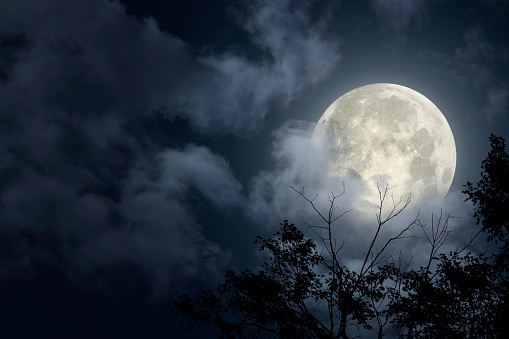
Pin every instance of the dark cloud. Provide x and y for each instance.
(497, 104)
(160, 233)
(91, 55)
(475, 47)
(398, 14)
(119, 160)
(471, 58)
(479, 63)
(84, 184)
(151, 225)
(234, 92)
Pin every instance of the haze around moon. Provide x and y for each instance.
(389, 135)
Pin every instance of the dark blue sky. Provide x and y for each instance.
(144, 144)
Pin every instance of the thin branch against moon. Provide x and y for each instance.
(389, 134)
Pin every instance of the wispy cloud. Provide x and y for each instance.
(231, 91)
(498, 102)
(476, 62)
(299, 161)
(472, 58)
(398, 14)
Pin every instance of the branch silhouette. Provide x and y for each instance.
(302, 291)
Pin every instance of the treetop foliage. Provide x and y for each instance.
(306, 290)
(491, 194)
(490, 197)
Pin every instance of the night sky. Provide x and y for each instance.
(145, 143)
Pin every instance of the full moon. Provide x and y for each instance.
(392, 136)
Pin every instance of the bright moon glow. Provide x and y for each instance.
(392, 135)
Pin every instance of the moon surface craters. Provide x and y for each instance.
(389, 134)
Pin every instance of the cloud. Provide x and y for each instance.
(298, 163)
(497, 102)
(476, 62)
(88, 179)
(93, 56)
(160, 233)
(397, 14)
(298, 160)
(88, 60)
(475, 47)
(499, 6)
(205, 171)
(472, 57)
(55, 224)
(85, 181)
(236, 92)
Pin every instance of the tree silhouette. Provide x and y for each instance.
(490, 197)
(455, 300)
(270, 301)
(305, 290)
(299, 292)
